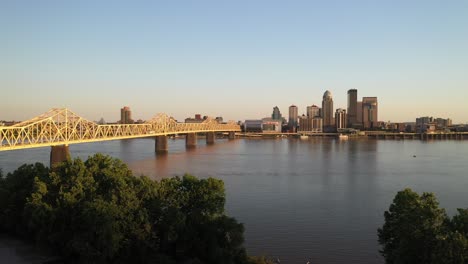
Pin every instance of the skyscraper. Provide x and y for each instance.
(352, 107)
(359, 115)
(369, 112)
(292, 122)
(340, 118)
(276, 114)
(327, 112)
(313, 111)
(126, 115)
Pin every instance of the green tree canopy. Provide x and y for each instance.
(416, 230)
(98, 212)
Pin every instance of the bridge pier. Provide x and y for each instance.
(191, 140)
(210, 138)
(160, 145)
(232, 135)
(59, 154)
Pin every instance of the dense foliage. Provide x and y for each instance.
(416, 230)
(97, 212)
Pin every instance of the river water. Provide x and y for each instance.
(319, 200)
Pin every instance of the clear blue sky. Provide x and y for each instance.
(237, 59)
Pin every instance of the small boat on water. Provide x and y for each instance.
(343, 137)
(304, 137)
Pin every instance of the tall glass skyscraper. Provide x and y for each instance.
(352, 107)
(327, 112)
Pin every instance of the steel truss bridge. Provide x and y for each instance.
(61, 126)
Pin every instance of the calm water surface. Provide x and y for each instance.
(317, 200)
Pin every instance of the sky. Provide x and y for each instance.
(235, 59)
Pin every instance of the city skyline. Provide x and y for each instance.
(235, 60)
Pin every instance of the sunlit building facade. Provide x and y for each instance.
(369, 112)
(340, 119)
(126, 115)
(327, 112)
(292, 122)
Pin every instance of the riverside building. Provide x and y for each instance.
(352, 108)
(327, 112)
(369, 112)
(126, 115)
(292, 122)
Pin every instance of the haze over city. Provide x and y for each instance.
(232, 59)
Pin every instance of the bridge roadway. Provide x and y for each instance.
(60, 127)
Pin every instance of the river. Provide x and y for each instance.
(319, 200)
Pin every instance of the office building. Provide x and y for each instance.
(327, 112)
(313, 111)
(126, 115)
(310, 124)
(358, 115)
(197, 119)
(276, 114)
(292, 122)
(340, 119)
(430, 124)
(369, 112)
(352, 107)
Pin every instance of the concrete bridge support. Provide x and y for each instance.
(191, 140)
(160, 145)
(232, 135)
(59, 154)
(210, 138)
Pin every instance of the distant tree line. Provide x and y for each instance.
(416, 230)
(96, 211)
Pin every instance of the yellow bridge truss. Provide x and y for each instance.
(61, 126)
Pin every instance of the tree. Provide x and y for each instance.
(192, 223)
(89, 210)
(15, 188)
(416, 230)
(97, 212)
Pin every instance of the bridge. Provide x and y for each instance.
(60, 127)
